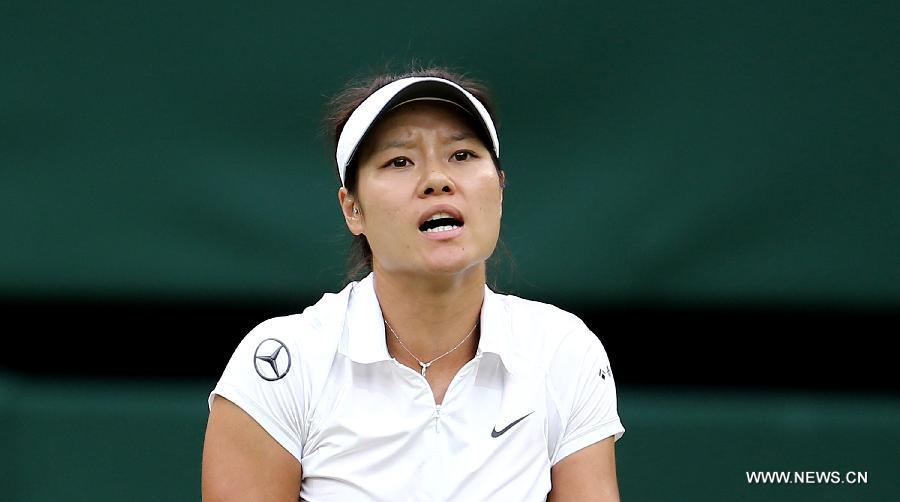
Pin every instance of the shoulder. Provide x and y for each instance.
(539, 317)
(545, 332)
(308, 337)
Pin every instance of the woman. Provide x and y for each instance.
(417, 382)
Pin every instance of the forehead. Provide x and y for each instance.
(444, 118)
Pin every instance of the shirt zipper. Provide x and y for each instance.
(437, 416)
(437, 408)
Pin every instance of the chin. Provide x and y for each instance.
(451, 267)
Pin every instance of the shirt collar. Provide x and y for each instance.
(363, 339)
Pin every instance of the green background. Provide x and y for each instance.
(690, 153)
(693, 152)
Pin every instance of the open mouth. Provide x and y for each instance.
(440, 224)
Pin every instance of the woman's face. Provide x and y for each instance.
(420, 160)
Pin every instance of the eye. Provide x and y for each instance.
(398, 162)
(463, 155)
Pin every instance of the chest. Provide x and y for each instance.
(388, 428)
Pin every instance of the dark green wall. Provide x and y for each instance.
(692, 153)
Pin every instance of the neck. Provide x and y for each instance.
(431, 315)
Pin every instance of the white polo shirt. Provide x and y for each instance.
(365, 427)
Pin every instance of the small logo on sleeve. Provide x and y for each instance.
(272, 360)
(605, 372)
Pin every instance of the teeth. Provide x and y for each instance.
(441, 229)
(440, 215)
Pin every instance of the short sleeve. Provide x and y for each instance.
(582, 378)
(264, 378)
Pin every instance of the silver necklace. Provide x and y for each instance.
(423, 364)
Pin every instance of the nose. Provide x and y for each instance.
(438, 181)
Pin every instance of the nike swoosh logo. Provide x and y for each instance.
(495, 434)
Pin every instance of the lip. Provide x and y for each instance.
(440, 208)
(443, 236)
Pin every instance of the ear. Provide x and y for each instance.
(502, 186)
(351, 210)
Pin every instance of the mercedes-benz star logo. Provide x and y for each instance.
(272, 359)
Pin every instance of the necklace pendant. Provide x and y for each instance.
(424, 367)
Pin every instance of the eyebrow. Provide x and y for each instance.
(399, 143)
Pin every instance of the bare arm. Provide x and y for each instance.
(241, 461)
(588, 474)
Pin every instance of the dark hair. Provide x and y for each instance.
(342, 105)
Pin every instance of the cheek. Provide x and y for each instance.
(489, 207)
(384, 222)
(381, 213)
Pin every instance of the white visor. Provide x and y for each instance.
(399, 92)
